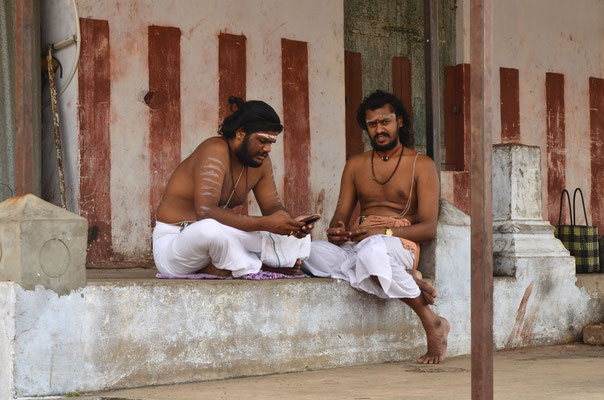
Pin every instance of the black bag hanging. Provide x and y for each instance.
(580, 240)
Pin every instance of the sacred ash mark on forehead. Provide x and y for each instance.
(267, 136)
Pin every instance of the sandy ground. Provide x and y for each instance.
(554, 372)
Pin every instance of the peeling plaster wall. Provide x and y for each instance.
(7, 339)
(263, 23)
(537, 37)
(122, 335)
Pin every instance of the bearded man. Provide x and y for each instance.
(398, 191)
(196, 229)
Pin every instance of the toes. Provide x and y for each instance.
(429, 360)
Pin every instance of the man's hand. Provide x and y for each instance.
(304, 229)
(361, 233)
(282, 223)
(338, 235)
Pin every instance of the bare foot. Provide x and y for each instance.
(437, 342)
(428, 291)
(295, 270)
(212, 270)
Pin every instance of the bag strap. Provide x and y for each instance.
(562, 204)
(582, 201)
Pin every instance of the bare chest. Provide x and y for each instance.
(236, 186)
(385, 183)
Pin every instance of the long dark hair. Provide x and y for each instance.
(252, 116)
(379, 99)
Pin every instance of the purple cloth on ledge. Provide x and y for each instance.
(258, 276)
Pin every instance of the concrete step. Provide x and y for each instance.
(120, 332)
(127, 329)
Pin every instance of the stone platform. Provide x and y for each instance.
(127, 329)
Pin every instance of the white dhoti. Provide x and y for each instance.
(186, 251)
(382, 256)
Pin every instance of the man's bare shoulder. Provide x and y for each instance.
(424, 165)
(214, 147)
(357, 160)
(213, 144)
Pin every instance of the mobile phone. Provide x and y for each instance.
(310, 219)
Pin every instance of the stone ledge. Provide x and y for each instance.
(127, 329)
(119, 334)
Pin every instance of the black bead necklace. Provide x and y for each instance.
(393, 172)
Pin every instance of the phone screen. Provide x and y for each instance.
(311, 219)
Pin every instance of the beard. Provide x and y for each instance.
(244, 156)
(384, 147)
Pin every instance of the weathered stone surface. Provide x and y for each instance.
(116, 334)
(520, 236)
(42, 244)
(7, 339)
(594, 334)
(516, 182)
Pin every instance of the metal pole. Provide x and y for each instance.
(481, 211)
(432, 81)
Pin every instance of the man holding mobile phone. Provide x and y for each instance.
(398, 190)
(196, 229)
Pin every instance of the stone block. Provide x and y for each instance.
(450, 219)
(516, 182)
(531, 240)
(41, 244)
(594, 334)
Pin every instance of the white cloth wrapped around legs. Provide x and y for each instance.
(382, 256)
(186, 251)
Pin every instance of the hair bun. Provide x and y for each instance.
(238, 101)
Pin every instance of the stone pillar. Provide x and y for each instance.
(42, 244)
(520, 235)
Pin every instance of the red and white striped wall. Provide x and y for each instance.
(153, 83)
(547, 76)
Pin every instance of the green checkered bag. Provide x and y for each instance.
(581, 241)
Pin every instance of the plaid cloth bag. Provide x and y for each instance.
(601, 241)
(581, 241)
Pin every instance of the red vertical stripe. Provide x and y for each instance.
(95, 147)
(461, 193)
(451, 110)
(457, 117)
(353, 71)
(510, 105)
(457, 132)
(231, 79)
(231, 71)
(296, 138)
(596, 122)
(401, 86)
(164, 101)
(556, 153)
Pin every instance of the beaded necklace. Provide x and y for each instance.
(393, 172)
